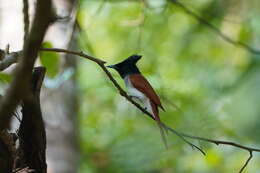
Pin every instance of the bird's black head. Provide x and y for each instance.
(128, 66)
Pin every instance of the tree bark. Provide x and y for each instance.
(58, 105)
(32, 135)
(6, 159)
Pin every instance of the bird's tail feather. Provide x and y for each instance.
(181, 135)
(163, 132)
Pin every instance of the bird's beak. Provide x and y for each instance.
(111, 66)
(138, 57)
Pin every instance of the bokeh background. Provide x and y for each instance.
(215, 85)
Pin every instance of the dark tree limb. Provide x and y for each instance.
(6, 155)
(20, 85)
(32, 136)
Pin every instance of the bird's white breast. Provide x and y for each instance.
(132, 91)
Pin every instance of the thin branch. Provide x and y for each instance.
(247, 161)
(215, 29)
(180, 134)
(220, 142)
(9, 59)
(98, 61)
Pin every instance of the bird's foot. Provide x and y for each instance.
(134, 97)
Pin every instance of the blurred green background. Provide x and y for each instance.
(215, 84)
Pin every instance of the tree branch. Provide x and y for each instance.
(180, 134)
(32, 135)
(215, 29)
(98, 61)
(247, 161)
(9, 59)
(6, 153)
(20, 84)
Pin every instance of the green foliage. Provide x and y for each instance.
(50, 60)
(5, 78)
(189, 66)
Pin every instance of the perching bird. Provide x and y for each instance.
(138, 87)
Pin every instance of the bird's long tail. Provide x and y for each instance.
(163, 132)
(156, 117)
(164, 129)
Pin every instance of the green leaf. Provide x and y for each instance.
(245, 34)
(50, 60)
(5, 78)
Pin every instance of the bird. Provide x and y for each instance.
(138, 88)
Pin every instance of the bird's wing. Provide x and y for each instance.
(141, 84)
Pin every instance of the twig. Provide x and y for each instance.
(9, 59)
(180, 134)
(215, 29)
(247, 161)
(98, 61)
(220, 142)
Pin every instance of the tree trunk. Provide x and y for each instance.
(59, 105)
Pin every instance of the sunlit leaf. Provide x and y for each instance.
(50, 60)
(5, 78)
(245, 33)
